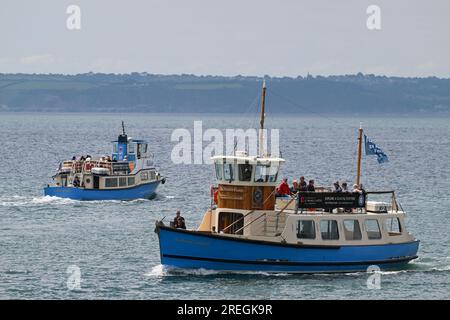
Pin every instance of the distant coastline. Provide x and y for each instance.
(150, 93)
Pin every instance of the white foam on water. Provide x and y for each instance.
(50, 199)
(21, 201)
(443, 268)
(163, 271)
(157, 271)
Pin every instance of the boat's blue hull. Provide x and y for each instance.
(144, 191)
(191, 250)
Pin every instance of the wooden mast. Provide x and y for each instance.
(261, 122)
(358, 175)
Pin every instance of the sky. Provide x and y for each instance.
(233, 37)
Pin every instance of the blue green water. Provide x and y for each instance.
(114, 245)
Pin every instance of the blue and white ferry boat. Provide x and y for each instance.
(249, 229)
(127, 174)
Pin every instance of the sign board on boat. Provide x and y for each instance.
(330, 200)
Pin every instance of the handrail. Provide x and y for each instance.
(264, 214)
(380, 192)
(232, 224)
(394, 203)
(268, 197)
(287, 205)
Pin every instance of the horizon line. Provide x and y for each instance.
(145, 73)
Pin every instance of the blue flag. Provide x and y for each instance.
(373, 149)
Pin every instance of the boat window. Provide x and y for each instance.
(352, 230)
(306, 229)
(373, 229)
(329, 230)
(139, 150)
(152, 175)
(245, 172)
(115, 148)
(273, 172)
(122, 182)
(131, 181)
(218, 171)
(228, 171)
(131, 148)
(266, 173)
(393, 226)
(110, 182)
(144, 175)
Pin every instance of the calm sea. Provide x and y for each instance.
(113, 243)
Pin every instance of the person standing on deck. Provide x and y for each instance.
(295, 187)
(302, 186)
(310, 186)
(178, 221)
(337, 187)
(344, 187)
(283, 189)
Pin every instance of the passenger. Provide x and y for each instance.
(74, 158)
(82, 158)
(310, 186)
(178, 221)
(213, 229)
(337, 187)
(295, 186)
(88, 158)
(283, 189)
(344, 187)
(345, 190)
(361, 188)
(355, 188)
(76, 181)
(302, 186)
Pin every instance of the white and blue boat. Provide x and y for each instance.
(128, 174)
(249, 229)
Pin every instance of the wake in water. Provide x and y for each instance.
(21, 201)
(161, 271)
(429, 265)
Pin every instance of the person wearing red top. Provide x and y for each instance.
(283, 189)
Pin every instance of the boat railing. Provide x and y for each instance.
(249, 223)
(245, 215)
(294, 198)
(238, 220)
(394, 203)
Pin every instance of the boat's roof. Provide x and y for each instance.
(249, 159)
(133, 140)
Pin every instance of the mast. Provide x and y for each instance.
(358, 175)
(261, 122)
(123, 128)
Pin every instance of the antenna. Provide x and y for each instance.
(123, 128)
(360, 136)
(261, 122)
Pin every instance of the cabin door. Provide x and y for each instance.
(64, 180)
(96, 182)
(228, 218)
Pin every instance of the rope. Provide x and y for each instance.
(305, 108)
